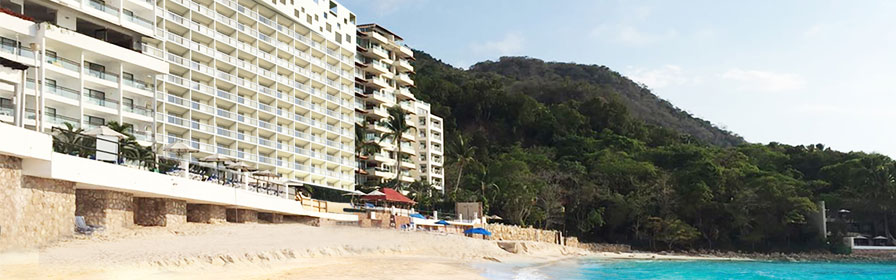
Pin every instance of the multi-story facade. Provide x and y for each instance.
(272, 83)
(430, 146)
(85, 64)
(267, 82)
(383, 81)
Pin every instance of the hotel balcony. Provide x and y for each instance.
(377, 67)
(407, 52)
(377, 37)
(404, 79)
(380, 172)
(376, 82)
(404, 93)
(404, 66)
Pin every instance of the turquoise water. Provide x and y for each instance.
(627, 269)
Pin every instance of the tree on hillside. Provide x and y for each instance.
(463, 154)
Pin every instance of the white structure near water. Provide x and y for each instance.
(276, 84)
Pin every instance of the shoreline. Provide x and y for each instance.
(297, 251)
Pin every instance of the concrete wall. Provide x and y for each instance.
(33, 211)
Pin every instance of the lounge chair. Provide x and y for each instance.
(82, 227)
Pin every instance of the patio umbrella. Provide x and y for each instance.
(443, 222)
(239, 166)
(104, 131)
(417, 215)
(266, 173)
(216, 158)
(180, 148)
(478, 230)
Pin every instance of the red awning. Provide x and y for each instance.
(391, 195)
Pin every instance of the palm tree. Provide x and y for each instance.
(129, 147)
(68, 140)
(397, 125)
(463, 155)
(486, 182)
(363, 146)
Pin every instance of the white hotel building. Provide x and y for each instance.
(383, 81)
(272, 83)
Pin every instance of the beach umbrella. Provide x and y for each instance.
(239, 166)
(417, 215)
(216, 158)
(104, 131)
(443, 222)
(478, 230)
(266, 173)
(880, 238)
(180, 148)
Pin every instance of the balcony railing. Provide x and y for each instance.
(102, 75)
(64, 63)
(138, 20)
(108, 103)
(11, 46)
(104, 8)
(138, 110)
(62, 91)
(138, 84)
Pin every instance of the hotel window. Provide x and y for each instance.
(6, 103)
(95, 120)
(127, 102)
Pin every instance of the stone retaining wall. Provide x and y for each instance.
(33, 211)
(242, 216)
(510, 232)
(109, 209)
(206, 213)
(273, 218)
(152, 211)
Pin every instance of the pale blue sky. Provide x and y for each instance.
(796, 72)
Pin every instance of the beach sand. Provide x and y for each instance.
(276, 251)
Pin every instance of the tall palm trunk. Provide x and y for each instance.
(460, 174)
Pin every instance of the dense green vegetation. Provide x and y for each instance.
(585, 150)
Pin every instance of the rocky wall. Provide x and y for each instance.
(206, 213)
(151, 211)
(33, 211)
(235, 215)
(510, 232)
(110, 209)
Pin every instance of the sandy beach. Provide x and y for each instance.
(277, 251)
